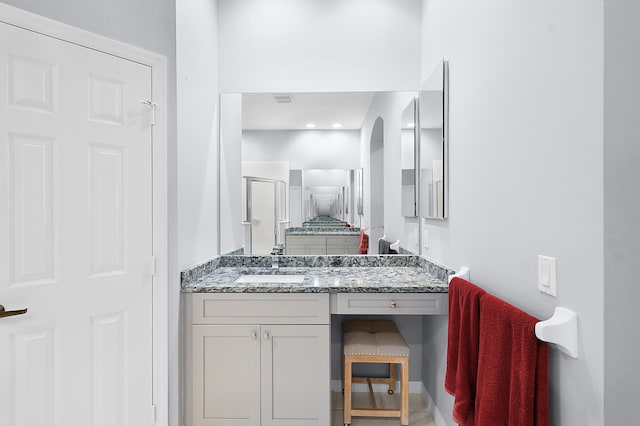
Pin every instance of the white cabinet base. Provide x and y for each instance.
(261, 374)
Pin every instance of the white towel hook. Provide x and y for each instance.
(463, 272)
(561, 329)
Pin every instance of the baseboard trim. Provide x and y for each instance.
(432, 407)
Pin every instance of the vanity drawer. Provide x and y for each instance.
(390, 303)
(259, 308)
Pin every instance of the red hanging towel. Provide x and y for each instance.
(513, 378)
(364, 242)
(462, 348)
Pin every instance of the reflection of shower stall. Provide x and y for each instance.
(433, 183)
(264, 212)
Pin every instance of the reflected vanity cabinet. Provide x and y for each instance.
(320, 245)
(257, 359)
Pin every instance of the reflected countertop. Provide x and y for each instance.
(321, 231)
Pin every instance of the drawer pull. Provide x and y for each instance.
(265, 336)
(393, 304)
(254, 335)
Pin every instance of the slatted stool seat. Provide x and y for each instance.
(366, 341)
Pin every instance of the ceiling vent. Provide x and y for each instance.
(283, 98)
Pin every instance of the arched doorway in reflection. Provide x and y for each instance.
(376, 189)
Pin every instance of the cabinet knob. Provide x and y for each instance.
(393, 304)
(265, 336)
(254, 335)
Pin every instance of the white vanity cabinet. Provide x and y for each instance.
(257, 359)
(343, 245)
(327, 244)
(305, 245)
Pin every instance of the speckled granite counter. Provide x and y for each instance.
(322, 274)
(322, 230)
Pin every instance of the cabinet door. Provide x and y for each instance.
(226, 375)
(342, 249)
(295, 375)
(315, 248)
(295, 249)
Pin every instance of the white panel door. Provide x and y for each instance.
(75, 235)
(263, 217)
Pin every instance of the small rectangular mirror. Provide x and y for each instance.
(408, 194)
(434, 135)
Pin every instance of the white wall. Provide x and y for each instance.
(148, 24)
(196, 40)
(231, 231)
(526, 170)
(389, 107)
(304, 149)
(621, 211)
(197, 132)
(277, 170)
(310, 45)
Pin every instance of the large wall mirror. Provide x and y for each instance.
(311, 146)
(434, 143)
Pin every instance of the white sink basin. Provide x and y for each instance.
(284, 279)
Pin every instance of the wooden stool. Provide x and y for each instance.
(375, 342)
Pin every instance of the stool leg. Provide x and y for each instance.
(344, 377)
(393, 374)
(404, 390)
(347, 389)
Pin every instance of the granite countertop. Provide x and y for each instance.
(322, 274)
(320, 231)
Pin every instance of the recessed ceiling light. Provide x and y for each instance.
(337, 125)
(310, 125)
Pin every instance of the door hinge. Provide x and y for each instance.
(153, 415)
(153, 107)
(152, 265)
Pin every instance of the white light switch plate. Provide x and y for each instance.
(547, 275)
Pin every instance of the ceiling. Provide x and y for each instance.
(293, 111)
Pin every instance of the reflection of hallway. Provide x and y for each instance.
(322, 235)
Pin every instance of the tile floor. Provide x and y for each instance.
(418, 413)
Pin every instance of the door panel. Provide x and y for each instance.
(32, 377)
(31, 218)
(75, 234)
(108, 369)
(106, 166)
(263, 220)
